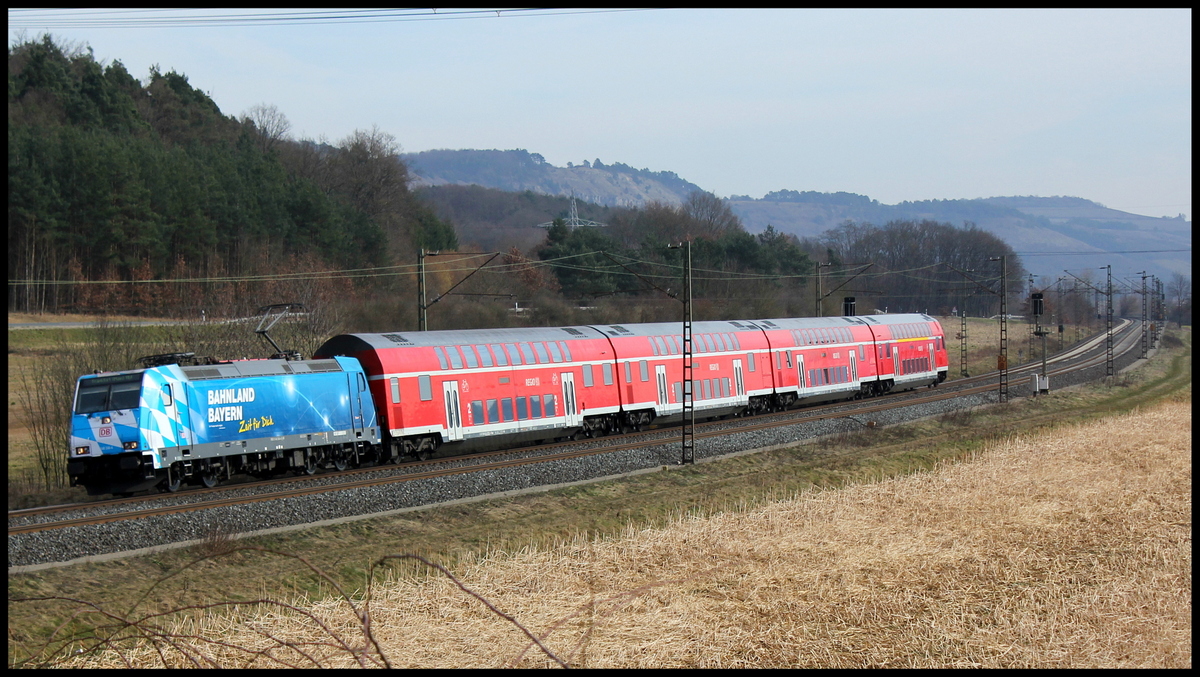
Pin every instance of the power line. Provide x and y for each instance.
(177, 18)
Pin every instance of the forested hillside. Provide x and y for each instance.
(111, 179)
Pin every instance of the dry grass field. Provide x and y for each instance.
(1063, 549)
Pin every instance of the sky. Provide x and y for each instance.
(893, 104)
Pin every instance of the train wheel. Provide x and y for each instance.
(310, 465)
(173, 481)
(423, 455)
(209, 479)
(339, 462)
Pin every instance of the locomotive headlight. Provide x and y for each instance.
(106, 419)
(81, 451)
(131, 445)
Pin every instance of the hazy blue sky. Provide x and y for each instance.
(896, 105)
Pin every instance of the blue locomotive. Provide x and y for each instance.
(167, 425)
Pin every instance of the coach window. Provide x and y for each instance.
(477, 413)
(493, 412)
(566, 351)
(395, 390)
(725, 387)
(542, 356)
(506, 409)
(425, 387)
(697, 343)
(555, 353)
(678, 341)
(628, 372)
(522, 409)
(654, 347)
(455, 358)
(469, 356)
(527, 352)
(645, 370)
(719, 342)
(535, 406)
(485, 358)
(779, 361)
(587, 376)
(549, 401)
(789, 359)
(826, 375)
(608, 375)
(706, 388)
(514, 355)
(678, 387)
(498, 352)
(441, 357)
(708, 343)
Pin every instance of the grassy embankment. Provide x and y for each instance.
(459, 535)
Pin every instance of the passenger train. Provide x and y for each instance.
(382, 398)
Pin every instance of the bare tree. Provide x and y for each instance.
(270, 123)
(710, 215)
(1180, 289)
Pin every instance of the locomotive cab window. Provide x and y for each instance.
(107, 393)
(166, 395)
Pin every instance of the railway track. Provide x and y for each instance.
(1085, 355)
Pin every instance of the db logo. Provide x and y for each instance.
(105, 432)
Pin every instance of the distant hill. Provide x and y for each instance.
(1052, 230)
(1049, 231)
(615, 185)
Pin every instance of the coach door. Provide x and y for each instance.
(660, 376)
(853, 365)
(932, 361)
(360, 387)
(896, 360)
(800, 371)
(570, 408)
(453, 416)
(739, 385)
